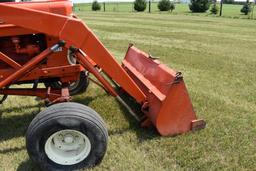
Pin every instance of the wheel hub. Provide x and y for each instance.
(67, 147)
(68, 139)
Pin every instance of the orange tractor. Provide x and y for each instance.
(44, 42)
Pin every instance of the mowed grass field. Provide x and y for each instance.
(218, 59)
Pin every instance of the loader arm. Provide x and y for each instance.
(160, 90)
(76, 34)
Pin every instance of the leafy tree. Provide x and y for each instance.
(246, 8)
(199, 5)
(140, 5)
(96, 6)
(164, 5)
(214, 9)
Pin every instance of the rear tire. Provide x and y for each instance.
(67, 136)
(76, 87)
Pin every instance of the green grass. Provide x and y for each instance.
(229, 10)
(217, 58)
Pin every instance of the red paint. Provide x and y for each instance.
(29, 29)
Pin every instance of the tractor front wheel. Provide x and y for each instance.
(67, 136)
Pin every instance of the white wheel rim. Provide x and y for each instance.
(71, 58)
(67, 147)
(72, 85)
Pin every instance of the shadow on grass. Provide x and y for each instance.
(143, 134)
(12, 150)
(27, 165)
(11, 109)
(15, 125)
(86, 100)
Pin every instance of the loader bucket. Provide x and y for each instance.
(168, 105)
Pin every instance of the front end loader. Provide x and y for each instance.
(44, 42)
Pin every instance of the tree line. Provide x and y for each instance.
(196, 6)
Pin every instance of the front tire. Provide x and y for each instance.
(67, 136)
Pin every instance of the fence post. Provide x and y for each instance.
(221, 3)
(104, 6)
(252, 14)
(149, 6)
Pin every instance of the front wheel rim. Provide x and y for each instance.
(67, 147)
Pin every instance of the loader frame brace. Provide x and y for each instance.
(84, 40)
(160, 90)
(50, 96)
